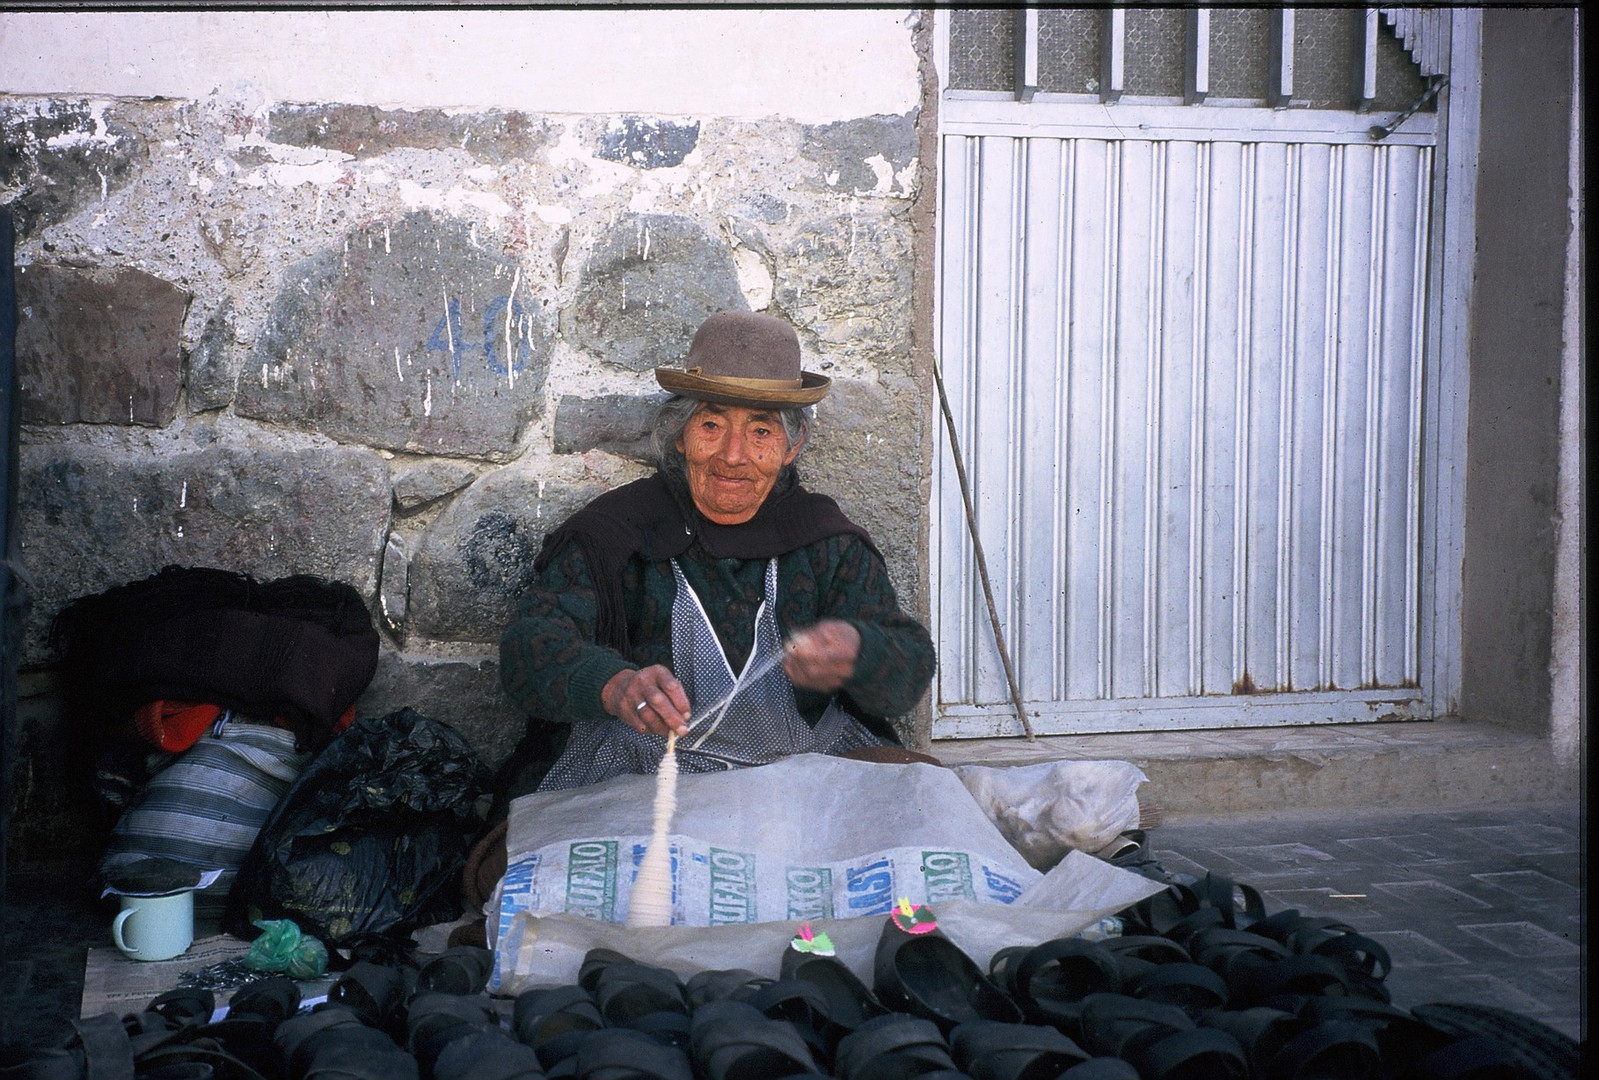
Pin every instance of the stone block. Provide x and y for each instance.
(647, 284)
(459, 687)
(98, 346)
(845, 281)
(428, 480)
(59, 155)
(762, 206)
(618, 424)
(97, 516)
(871, 155)
(866, 453)
(367, 131)
(648, 142)
(394, 592)
(471, 566)
(213, 375)
(412, 335)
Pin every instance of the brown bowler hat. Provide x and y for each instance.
(745, 358)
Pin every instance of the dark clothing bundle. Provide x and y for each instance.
(238, 681)
(297, 651)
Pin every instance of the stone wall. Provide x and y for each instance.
(395, 346)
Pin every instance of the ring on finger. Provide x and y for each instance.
(640, 706)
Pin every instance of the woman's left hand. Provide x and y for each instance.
(822, 657)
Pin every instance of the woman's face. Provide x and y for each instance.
(734, 455)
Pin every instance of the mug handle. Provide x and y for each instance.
(116, 930)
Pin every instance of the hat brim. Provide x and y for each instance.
(750, 393)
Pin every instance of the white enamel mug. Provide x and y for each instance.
(155, 927)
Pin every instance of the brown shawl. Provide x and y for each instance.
(657, 519)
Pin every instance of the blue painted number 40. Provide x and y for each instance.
(447, 337)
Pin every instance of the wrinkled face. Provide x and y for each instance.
(734, 455)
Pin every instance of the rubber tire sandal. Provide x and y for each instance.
(1260, 970)
(298, 1036)
(850, 1002)
(1283, 1046)
(668, 1028)
(185, 1006)
(1287, 980)
(625, 991)
(434, 1018)
(1192, 987)
(797, 1001)
(1366, 960)
(726, 984)
(1245, 961)
(891, 1047)
(1160, 969)
(460, 969)
(1150, 947)
(375, 992)
(1101, 1068)
(620, 1054)
(1240, 905)
(1163, 912)
(804, 1007)
(991, 1050)
(927, 975)
(1050, 981)
(272, 1000)
(1401, 1038)
(595, 961)
(244, 1033)
(354, 1052)
(554, 1020)
(202, 1057)
(486, 1053)
(1539, 1050)
(97, 1048)
(1161, 1041)
(733, 1040)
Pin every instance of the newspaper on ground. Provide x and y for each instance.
(114, 983)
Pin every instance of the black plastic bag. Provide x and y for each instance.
(372, 837)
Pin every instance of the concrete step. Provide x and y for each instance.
(1430, 765)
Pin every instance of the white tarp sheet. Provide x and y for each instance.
(810, 838)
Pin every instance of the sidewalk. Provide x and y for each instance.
(1475, 906)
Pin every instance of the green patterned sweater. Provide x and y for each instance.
(553, 668)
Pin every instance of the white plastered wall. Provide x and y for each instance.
(810, 66)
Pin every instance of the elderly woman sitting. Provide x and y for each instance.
(720, 569)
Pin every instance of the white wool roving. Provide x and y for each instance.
(651, 902)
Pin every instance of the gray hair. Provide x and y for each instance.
(672, 418)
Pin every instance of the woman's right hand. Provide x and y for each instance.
(649, 700)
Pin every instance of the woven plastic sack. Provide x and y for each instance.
(206, 808)
(1054, 807)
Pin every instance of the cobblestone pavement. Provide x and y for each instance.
(1477, 906)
